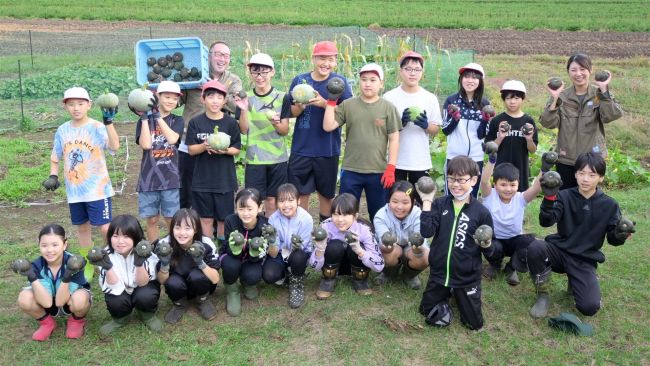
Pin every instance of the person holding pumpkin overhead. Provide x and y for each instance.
(213, 137)
(579, 113)
(314, 158)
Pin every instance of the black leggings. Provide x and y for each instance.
(568, 174)
(248, 272)
(194, 284)
(143, 298)
(339, 254)
(515, 248)
(275, 269)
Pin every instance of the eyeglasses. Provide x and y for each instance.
(216, 54)
(411, 70)
(263, 74)
(451, 180)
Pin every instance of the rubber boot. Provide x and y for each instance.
(74, 327)
(233, 299)
(251, 292)
(327, 283)
(175, 314)
(360, 280)
(543, 302)
(89, 269)
(296, 291)
(491, 271)
(387, 274)
(45, 329)
(151, 320)
(512, 278)
(113, 325)
(206, 307)
(411, 277)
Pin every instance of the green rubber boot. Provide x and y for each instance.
(543, 302)
(113, 325)
(233, 299)
(151, 320)
(89, 269)
(251, 292)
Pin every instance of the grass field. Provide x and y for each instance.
(626, 15)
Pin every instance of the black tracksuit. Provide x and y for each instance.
(248, 269)
(582, 225)
(454, 258)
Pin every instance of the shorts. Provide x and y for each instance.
(311, 174)
(97, 212)
(153, 203)
(214, 205)
(266, 178)
(65, 309)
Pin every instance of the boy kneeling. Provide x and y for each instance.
(584, 216)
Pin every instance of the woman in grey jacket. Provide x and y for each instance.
(579, 113)
(403, 249)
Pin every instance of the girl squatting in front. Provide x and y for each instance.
(127, 274)
(57, 286)
(189, 266)
(397, 228)
(289, 253)
(347, 247)
(243, 253)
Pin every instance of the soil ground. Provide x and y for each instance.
(48, 36)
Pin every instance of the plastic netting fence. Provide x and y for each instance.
(102, 58)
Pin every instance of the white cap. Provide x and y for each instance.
(76, 93)
(514, 85)
(168, 86)
(372, 67)
(472, 66)
(261, 59)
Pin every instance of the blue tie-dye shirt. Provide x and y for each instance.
(84, 166)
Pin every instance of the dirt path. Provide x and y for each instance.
(51, 36)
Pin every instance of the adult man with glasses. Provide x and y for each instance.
(421, 119)
(219, 61)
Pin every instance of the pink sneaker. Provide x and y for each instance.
(45, 329)
(75, 327)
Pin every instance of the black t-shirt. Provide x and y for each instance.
(159, 165)
(234, 223)
(513, 148)
(213, 172)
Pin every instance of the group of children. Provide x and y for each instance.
(264, 232)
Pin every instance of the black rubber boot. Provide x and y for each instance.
(360, 280)
(206, 307)
(389, 273)
(327, 283)
(175, 314)
(512, 278)
(411, 277)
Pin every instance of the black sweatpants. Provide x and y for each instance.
(195, 284)
(248, 272)
(468, 301)
(186, 170)
(515, 248)
(339, 254)
(143, 298)
(568, 175)
(275, 269)
(581, 273)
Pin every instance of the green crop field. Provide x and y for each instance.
(626, 15)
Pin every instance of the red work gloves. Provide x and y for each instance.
(389, 176)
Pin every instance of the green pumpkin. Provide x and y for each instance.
(303, 93)
(219, 140)
(140, 99)
(107, 100)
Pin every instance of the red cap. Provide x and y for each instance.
(216, 85)
(325, 48)
(411, 54)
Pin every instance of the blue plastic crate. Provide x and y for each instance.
(195, 54)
